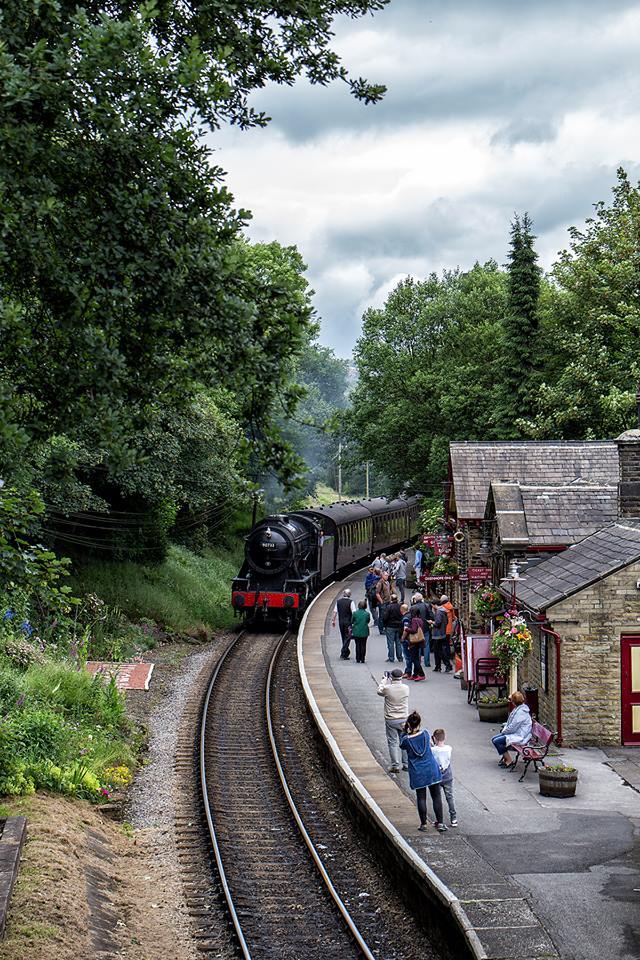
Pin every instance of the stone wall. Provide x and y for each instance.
(590, 624)
(530, 672)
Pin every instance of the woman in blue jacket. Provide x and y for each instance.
(424, 770)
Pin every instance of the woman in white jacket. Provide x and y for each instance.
(517, 729)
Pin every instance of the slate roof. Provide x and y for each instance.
(546, 516)
(592, 559)
(474, 464)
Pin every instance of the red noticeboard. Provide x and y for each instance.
(129, 676)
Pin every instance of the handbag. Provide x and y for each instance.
(416, 633)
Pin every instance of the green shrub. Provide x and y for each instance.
(75, 693)
(9, 689)
(38, 735)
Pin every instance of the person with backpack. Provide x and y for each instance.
(370, 584)
(414, 635)
(393, 629)
(383, 596)
(426, 614)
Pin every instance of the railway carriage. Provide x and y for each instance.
(289, 557)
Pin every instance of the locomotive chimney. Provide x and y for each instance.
(628, 445)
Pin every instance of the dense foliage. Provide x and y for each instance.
(131, 307)
(503, 354)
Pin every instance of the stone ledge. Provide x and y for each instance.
(12, 834)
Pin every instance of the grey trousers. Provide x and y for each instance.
(394, 730)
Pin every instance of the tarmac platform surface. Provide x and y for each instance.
(535, 875)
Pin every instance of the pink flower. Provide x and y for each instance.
(104, 792)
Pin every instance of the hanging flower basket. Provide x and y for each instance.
(444, 566)
(488, 602)
(511, 641)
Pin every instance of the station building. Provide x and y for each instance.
(569, 513)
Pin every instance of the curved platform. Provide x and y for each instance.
(474, 910)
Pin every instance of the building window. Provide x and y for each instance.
(544, 661)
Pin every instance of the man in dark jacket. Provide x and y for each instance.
(393, 629)
(343, 612)
(440, 639)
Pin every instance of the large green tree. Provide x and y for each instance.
(591, 323)
(428, 372)
(522, 346)
(125, 287)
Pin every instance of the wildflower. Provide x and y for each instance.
(8, 615)
(26, 628)
(20, 701)
(104, 792)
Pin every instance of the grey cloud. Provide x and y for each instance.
(472, 72)
(525, 130)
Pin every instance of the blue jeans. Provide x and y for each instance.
(500, 743)
(394, 648)
(407, 656)
(427, 649)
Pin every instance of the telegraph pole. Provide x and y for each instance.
(339, 472)
(366, 480)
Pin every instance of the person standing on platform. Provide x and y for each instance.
(383, 596)
(343, 612)
(424, 770)
(417, 563)
(393, 630)
(425, 612)
(442, 752)
(400, 574)
(440, 640)
(370, 584)
(360, 630)
(396, 711)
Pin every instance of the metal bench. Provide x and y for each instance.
(535, 751)
(487, 674)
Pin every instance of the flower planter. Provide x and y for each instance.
(493, 712)
(554, 783)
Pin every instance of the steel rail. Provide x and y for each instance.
(207, 806)
(246, 953)
(294, 810)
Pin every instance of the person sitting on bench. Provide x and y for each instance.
(517, 729)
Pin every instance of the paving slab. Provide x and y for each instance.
(564, 860)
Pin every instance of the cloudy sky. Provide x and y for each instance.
(493, 106)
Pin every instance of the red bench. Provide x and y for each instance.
(535, 751)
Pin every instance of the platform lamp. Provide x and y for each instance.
(512, 577)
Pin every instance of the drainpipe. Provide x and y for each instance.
(557, 638)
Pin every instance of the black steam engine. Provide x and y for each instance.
(289, 557)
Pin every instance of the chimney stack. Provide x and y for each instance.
(628, 444)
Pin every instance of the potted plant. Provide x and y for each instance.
(444, 567)
(558, 780)
(488, 602)
(492, 709)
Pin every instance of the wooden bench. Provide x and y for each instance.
(535, 750)
(487, 674)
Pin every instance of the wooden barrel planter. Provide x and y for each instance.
(557, 783)
(492, 712)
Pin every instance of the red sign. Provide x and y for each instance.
(479, 573)
(128, 676)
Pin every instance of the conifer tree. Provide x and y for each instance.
(521, 326)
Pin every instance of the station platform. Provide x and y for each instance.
(523, 875)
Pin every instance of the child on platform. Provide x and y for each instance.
(442, 752)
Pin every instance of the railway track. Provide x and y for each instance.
(249, 863)
(280, 897)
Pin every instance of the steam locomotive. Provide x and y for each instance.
(289, 557)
